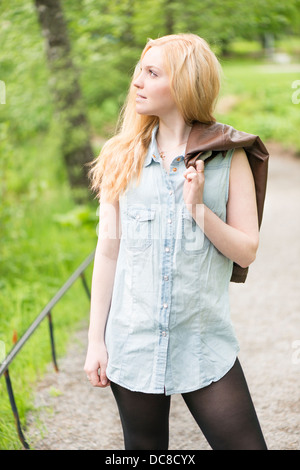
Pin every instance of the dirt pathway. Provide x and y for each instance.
(266, 313)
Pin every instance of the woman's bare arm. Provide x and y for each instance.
(101, 293)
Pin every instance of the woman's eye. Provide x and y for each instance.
(153, 74)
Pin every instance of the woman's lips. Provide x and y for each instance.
(140, 97)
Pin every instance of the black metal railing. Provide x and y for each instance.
(46, 312)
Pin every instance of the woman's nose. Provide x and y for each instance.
(138, 82)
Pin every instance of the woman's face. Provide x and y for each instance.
(153, 90)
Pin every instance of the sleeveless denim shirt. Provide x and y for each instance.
(169, 328)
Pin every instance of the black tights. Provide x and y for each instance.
(223, 410)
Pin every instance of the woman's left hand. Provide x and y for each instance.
(194, 185)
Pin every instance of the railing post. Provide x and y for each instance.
(52, 340)
(85, 285)
(14, 409)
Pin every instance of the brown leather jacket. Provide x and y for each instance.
(217, 137)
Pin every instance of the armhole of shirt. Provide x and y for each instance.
(229, 157)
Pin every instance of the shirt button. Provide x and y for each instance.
(164, 333)
(174, 169)
(178, 159)
(171, 192)
(169, 221)
(167, 249)
(166, 278)
(165, 305)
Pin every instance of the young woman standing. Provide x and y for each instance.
(169, 235)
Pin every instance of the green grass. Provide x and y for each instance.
(44, 238)
(264, 104)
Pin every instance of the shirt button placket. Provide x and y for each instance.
(166, 279)
(167, 266)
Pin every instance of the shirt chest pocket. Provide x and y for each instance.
(139, 228)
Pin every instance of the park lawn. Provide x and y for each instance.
(262, 100)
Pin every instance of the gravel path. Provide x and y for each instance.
(71, 415)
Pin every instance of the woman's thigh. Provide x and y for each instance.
(144, 418)
(225, 413)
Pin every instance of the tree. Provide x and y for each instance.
(69, 108)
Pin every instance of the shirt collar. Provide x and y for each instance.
(153, 153)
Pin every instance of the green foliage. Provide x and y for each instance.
(23, 69)
(263, 103)
(39, 251)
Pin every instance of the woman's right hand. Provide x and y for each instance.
(96, 359)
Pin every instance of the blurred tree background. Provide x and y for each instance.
(65, 78)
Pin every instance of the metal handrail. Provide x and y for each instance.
(46, 312)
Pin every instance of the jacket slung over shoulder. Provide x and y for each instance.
(218, 137)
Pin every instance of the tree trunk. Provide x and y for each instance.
(128, 36)
(169, 17)
(69, 108)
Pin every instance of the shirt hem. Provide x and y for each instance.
(208, 382)
(174, 392)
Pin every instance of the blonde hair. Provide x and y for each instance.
(194, 73)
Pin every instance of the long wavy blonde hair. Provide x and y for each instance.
(194, 73)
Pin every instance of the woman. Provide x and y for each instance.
(168, 239)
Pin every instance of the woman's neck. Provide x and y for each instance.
(172, 133)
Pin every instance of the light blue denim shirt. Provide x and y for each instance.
(169, 328)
